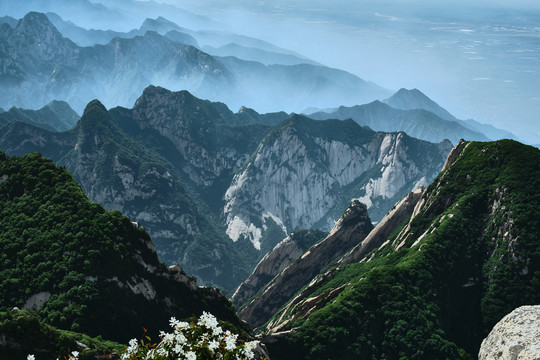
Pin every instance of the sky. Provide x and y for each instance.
(480, 60)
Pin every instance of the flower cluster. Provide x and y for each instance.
(200, 340)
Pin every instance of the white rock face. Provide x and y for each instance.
(36, 301)
(301, 181)
(515, 337)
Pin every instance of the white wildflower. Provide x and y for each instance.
(178, 349)
(30, 357)
(133, 344)
(230, 341)
(216, 331)
(162, 352)
(181, 325)
(213, 345)
(190, 355)
(180, 338)
(168, 339)
(173, 322)
(208, 320)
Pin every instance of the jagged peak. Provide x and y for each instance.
(355, 212)
(95, 113)
(35, 23)
(34, 16)
(406, 99)
(153, 90)
(454, 153)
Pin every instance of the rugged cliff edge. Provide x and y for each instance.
(305, 172)
(351, 228)
(281, 256)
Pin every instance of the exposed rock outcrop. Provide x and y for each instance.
(379, 235)
(351, 228)
(515, 337)
(281, 256)
(305, 172)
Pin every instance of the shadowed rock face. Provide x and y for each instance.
(281, 256)
(382, 231)
(350, 229)
(516, 336)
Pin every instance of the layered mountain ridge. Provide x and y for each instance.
(41, 66)
(413, 112)
(173, 163)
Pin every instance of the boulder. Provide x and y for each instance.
(515, 337)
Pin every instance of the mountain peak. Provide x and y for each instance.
(36, 38)
(405, 99)
(36, 24)
(158, 95)
(94, 120)
(94, 106)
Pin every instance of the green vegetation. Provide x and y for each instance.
(478, 260)
(29, 335)
(95, 270)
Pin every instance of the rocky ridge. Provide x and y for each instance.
(274, 262)
(349, 230)
(170, 163)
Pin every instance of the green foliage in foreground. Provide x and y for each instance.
(95, 271)
(28, 335)
(479, 259)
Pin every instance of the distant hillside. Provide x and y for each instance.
(56, 116)
(405, 99)
(254, 54)
(45, 66)
(414, 99)
(417, 122)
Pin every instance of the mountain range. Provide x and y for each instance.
(39, 65)
(217, 189)
(384, 228)
(416, 114)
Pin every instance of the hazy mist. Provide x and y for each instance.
(479, 61)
